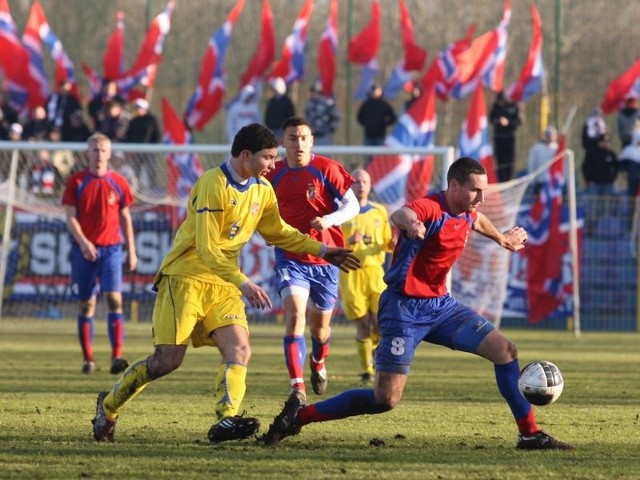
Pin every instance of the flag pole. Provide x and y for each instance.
(349, 89)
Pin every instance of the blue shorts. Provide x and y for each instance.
(107, 269)
(320, 280)
(405, 322)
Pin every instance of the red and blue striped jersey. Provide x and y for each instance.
(305, 193)
(419, 267)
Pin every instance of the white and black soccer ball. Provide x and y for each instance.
(541, 382)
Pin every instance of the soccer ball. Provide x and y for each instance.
(541, 382)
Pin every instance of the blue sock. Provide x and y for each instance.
(507, 380)
(346, 404)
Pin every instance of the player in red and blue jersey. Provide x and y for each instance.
(96, 203)
(416, 307)
(314, 196)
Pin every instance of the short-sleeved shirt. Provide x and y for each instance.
(305, 193)
(419, 267)
(98, 202)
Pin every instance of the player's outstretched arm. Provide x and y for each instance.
(513, 239)
(343, 258)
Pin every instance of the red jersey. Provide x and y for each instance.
(98, 201)
(305, 193)
(419, 267)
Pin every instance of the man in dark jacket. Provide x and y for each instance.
(375, 115)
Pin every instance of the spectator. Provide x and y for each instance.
(242, 111)
(9, 114)
(600, 168)
(15, 132)
(323, 116)
(114, 125)
(540, 154)
(375, 115)
(627, 119)
(15, 135)
(594, 130)
(143, 126)
(76, 130)
(413, 94)
(505, 118)
(61, 104)
(99, 105)
(38, 126)
(279, 107)
(44, 176)
(630, 163)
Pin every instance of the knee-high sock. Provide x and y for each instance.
(319, 353)
(507, 380)
(115, 323)
(295, 352)
(230, 388)
(346, 404)
(365, 354)
(130, 384)
(85, 336)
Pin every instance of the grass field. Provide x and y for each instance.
(451, 424)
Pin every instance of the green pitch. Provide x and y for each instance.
(451, 424)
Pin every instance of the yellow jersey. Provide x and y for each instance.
(369, 234)
(222, 214)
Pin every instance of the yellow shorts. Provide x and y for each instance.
(360, 291)
(190, 309)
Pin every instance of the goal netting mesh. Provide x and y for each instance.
(36, 244)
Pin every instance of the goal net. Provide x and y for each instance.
(35, 265)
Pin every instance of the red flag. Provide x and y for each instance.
(363, 47)
(414, 56)
(290, 67)
(474, 140)
(38, 84)
(94, 80)
(620, 88)
(327, 51)
(113, 58)
(265, 51)
(444, 70)
(14, 59)
(151, 49)
(547, 244)
(530, 80)
(207, 97)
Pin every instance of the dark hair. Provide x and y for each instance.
(253, 137)
(295, 122)
(461, 169)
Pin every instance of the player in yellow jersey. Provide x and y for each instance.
(200, 285)
(369, 235)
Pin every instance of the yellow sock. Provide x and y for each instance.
(130, 384)
(230, 388)
(365, 353)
